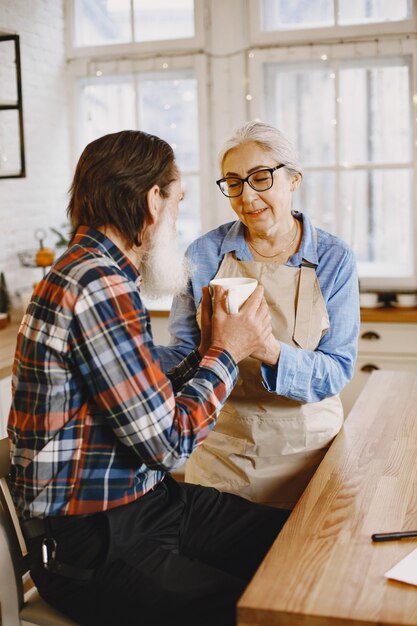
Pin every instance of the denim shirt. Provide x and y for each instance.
(303, 375)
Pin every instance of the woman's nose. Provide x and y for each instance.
(248, 193)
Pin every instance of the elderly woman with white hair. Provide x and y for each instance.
(285, 409)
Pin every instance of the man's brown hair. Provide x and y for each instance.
(111, 180)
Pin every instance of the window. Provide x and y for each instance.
(296, 20)
(98, 24)
(297, 14)
(350, 110)
(163, 103)
(357, 154)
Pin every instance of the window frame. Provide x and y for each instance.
(325, 33)
(340, 52)
(136, 47)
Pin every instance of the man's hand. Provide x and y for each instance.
(269, 353)
(245, 332)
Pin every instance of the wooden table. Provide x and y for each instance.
(323, 569)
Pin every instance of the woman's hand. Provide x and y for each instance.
(245, 332)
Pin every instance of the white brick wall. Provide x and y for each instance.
(40, 199)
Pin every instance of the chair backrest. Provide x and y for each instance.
(35, 611)
(12, 547)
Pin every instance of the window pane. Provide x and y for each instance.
(365, 11)
(108, 106)
(163, 19)
(285, 15)
(375, 119)
(316, 197)
(300, 100)
(102, 22)
(189, 221)
(376, 213)
(168, 108)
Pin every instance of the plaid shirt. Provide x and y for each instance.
(94, 422)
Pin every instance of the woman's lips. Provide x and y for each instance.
(257, 212)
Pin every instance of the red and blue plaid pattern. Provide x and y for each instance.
(94, 422)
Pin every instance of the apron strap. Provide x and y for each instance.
(304, 306)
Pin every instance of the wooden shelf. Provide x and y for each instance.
(389, 314)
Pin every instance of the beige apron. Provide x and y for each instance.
(266, 447)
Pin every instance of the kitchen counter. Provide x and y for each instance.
(390, 314)
(7, 346)
(386, 314)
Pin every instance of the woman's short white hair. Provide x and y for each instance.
(267, 137)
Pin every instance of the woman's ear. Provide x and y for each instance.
(295, 181)
(153, 198)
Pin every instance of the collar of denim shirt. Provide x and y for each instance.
(234, 241)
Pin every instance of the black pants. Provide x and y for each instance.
(182, 554)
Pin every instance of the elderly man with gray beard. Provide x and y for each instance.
(96, 426)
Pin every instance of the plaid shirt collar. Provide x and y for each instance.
(94, 240)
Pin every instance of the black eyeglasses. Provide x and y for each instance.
(261, 180)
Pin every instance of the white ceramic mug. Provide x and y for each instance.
(237, 290)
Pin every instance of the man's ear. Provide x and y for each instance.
(153, 198)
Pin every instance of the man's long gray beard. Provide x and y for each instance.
(164, 269)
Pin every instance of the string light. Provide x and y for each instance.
(99, 73)
(249, 97)
(251, 55)
(324, 57)
(165, 66)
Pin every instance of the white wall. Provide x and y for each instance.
(40, 199)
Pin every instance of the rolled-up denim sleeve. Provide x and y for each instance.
(184, 332)
(310, 376)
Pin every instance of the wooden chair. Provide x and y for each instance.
(17, 608)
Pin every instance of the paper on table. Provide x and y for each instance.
(405, 570)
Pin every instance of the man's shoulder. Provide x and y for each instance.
(81, 267)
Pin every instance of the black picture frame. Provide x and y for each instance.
(18, 107)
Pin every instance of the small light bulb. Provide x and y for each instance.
(99, 73)
(324, 57)
(249, 96)
(251, 55)
(165, 66)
